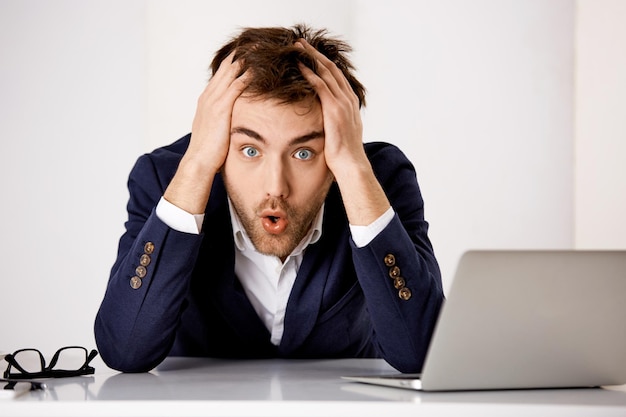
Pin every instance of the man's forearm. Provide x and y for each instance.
(136, 325)
(363, 197)
(190, 188)
(402, 287)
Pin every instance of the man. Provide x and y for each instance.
(271, 230)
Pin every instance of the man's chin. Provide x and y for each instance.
(274, 245)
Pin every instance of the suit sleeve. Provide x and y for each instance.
(136, 324)
(398, 271)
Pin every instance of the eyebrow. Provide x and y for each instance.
(295, 141)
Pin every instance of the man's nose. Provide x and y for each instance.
(277, 180)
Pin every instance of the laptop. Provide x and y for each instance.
(527, 320)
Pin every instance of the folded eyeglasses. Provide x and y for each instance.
(69, 361)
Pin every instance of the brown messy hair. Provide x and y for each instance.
(271, 55)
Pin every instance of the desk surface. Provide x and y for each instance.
(193, 386)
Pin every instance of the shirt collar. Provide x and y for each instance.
(243, 242)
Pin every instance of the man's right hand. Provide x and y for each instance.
(210, 139)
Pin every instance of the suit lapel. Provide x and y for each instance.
(226, 291)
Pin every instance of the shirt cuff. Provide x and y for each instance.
(178, 219)
(363, 235)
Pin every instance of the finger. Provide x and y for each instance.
(331, 95)
(319, 85)
(333, 78)
(239, 84)
(226, 64)
(227, 73)
(327, 69)
(323, 65)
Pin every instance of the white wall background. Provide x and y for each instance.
(600, 180)
(512, 111)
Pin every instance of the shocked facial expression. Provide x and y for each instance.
(275, 172)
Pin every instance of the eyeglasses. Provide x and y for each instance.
(67, 362)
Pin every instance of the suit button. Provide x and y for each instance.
(390, 260)
(404, 293)
(135, 282)
(144, 260)
(141, 271)
(399, 283)
(148, 248)
(394, 272)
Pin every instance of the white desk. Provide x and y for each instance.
(209, 387)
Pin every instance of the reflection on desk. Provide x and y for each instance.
(201, 386)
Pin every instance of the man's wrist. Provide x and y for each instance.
(363, 235)
(191, 185)
(179, 219)
(363, 196)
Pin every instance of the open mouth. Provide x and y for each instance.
(274, 225)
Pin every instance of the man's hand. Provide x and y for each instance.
(363, 196)
(340, 108)
(210, 139)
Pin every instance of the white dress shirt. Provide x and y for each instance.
(266, 280)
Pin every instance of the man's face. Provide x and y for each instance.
(275, 172)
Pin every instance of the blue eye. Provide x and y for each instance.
(303, 154)
(250, 152)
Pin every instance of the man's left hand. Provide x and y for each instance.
(364, 198)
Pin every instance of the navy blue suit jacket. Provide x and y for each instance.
(344, 302)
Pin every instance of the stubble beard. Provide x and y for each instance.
(300, 221)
